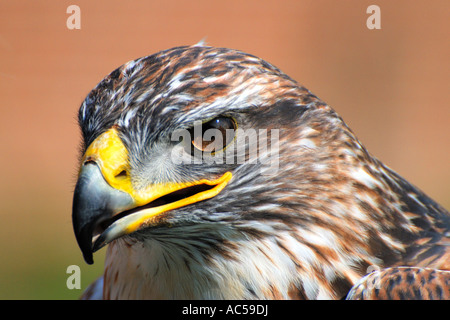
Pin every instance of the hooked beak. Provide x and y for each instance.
(94, 200)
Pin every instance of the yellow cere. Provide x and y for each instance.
(111, 156)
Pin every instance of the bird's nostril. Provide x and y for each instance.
(89, 160)
(121, 175)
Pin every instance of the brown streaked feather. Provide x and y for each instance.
(403, 283)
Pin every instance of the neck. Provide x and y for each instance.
(175, 268)
(201, 268)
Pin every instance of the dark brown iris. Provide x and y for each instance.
(214, 135)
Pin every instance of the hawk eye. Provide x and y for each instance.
(214, 135)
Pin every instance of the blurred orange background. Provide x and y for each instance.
(391, 86)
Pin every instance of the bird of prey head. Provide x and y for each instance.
(209, 173)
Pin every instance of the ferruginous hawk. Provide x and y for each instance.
(211, 174)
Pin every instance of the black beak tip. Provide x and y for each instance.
(88, 257)
(84, 239)
(86, 249)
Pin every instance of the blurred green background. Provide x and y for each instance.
(390, 85)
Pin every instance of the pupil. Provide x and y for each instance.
(220, 123)
(209, 144)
